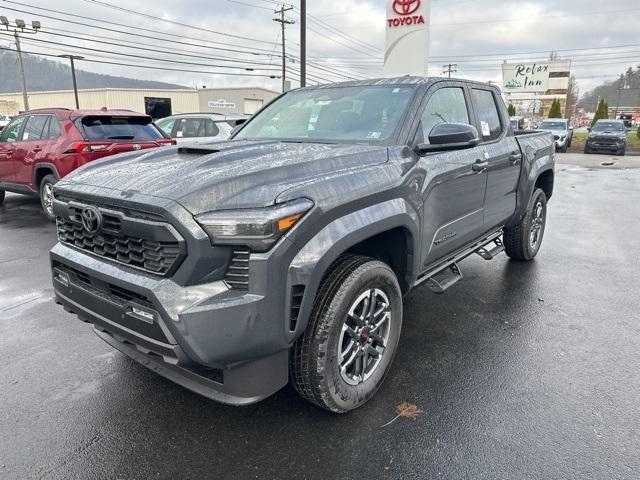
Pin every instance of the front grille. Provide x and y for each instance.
(156, 257)
(606, 140)
(237, 275)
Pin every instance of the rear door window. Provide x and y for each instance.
(34, 128)
(54, 128)
(211, 128)
(488, 116)
(97, 128)
(190, 128)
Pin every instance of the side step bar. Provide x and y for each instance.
(447, 273)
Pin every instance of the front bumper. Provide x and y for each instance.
(212, 340)
(605, 147)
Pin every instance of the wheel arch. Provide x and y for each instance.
(42, 170)
(387, 232)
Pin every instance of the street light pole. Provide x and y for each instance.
(73, 75)
(22, 26)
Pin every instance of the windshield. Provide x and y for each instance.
(608, 127)
(367, 113)
(553, 126)
(119, 128)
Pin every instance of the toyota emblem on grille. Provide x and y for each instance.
(136, 146)
(405, 7)
(91, 219)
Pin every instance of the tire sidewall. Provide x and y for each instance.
(49, 179)
(343, 395)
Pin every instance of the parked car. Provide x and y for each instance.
(517, 123)
(285, 252)
(40, 147)
(198, 127)
(561, 131)
(4, 121)
(607, 136)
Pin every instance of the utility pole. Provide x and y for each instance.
(284, 22)
(23, 77)
(22, 27)
(303, 43)
(73, 75)
(449, 68)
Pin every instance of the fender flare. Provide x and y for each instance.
(314, 259)
(44, 166)
(528, 178)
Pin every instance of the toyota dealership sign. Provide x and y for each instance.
(407, 38)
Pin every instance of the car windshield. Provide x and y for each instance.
(552, 126)
(608, 127)
(334, 114)
(119, 128)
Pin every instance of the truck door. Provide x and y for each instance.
(34, 147)
(453, 189)
(501, 150)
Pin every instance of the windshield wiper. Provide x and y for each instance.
(121, 137)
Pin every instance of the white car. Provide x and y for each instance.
(4, 121)
(197, 127)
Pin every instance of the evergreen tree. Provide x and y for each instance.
(512, 110)
(555, 111)
(602, 112)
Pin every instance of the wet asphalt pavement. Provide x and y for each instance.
(521, 371)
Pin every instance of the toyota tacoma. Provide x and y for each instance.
(283, 254)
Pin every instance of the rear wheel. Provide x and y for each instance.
(46, 196)
(343, 356)
(522, 241)
(1, 196)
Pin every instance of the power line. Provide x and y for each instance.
(180, 38)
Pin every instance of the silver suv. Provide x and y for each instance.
(561, 131)
(197, 127)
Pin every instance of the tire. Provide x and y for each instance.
(564, 149)
(46, 196)
(319, 360)
(623, 152)
(587, 150)
(569, 142)
(1, 197)
(522, 241)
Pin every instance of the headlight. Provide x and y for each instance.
(257, 228)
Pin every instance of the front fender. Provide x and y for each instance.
(316, 256)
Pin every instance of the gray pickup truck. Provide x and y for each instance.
(284, 254)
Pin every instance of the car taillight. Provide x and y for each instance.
(84, 147)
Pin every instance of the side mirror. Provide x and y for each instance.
(450, 136)
(588, 129)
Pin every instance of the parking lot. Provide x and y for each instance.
(521, 371)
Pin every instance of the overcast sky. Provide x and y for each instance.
(345, 37)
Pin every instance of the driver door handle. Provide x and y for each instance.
(479, 166)
(515, 157)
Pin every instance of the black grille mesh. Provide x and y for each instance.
(151, 256)
(238, 272)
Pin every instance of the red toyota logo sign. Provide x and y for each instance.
(405, 7)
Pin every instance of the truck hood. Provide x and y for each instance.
(216, 176)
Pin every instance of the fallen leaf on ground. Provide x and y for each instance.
(405, 409)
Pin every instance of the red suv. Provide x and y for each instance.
(40, 147)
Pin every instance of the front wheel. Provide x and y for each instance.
(46, 196)
(1, 197)
(522, 241)
(345, 353)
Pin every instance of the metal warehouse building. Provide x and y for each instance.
(157, 103)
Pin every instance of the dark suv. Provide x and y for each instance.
(40, 147)
(608, 136)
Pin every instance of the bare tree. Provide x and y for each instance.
(573, 93)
